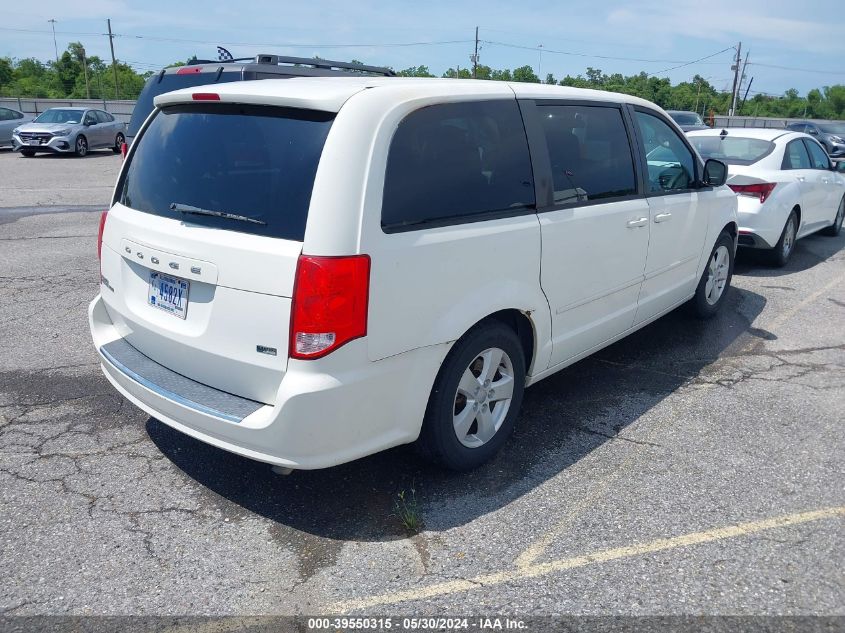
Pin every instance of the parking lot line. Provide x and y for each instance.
(592, 558)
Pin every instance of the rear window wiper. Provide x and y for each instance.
(189, 210)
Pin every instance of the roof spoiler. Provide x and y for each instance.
(276, 60)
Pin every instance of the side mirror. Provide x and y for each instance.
(839, 166)
(813, 131)
(715, 173)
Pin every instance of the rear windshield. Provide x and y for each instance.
(167, 83)
(196, 161)
(686, 118)
(733, 150)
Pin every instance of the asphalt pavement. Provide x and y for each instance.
(692, 468)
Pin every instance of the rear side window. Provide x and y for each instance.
(818, 157)
(796, 157)
(457, 160)
(104, 117)
(733, 150)
(255, 162)
(589, 152)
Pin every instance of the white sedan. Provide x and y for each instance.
(786, 185)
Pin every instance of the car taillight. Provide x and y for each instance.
(205, 96)
(100, 233)
(760, 190)
(329, 307)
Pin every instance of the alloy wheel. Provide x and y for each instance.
(717, 275)
(483, 397)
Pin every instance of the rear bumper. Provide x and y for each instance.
(326, 412)
(760, 225)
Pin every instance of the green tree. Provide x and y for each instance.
(525, 74)
(415, 71)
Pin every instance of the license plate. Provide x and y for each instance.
(169, 294)
(33, 141)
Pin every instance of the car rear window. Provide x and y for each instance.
(733, 150)
(256, 162)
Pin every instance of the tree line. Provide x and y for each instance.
(66, 78)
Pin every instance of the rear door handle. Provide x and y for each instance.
(662, 217)
(632, 224)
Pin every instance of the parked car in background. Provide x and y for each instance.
(262, 66)
(9, 120)
(786, 184)
(442, 245)
(70, 131)
(688, 121)
(830, 134)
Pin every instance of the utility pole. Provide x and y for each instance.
(742, 103)
(475, 57)
(55, 46)
(737, 69)
(85, 68)
(540, 63)
(113, 63)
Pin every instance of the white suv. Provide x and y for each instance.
(312, 270)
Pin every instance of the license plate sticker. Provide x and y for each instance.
(169, 294)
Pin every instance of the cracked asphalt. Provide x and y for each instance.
(684, 428)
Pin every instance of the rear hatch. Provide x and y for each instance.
(201, 245)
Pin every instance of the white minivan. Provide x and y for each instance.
(312, 270)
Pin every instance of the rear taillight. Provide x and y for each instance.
(760, 190)
(100, 233)
(329, 307)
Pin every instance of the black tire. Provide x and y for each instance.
(438, 439)
(780, 254)
(81, 146)
(834, 229)
(703, 305)
(27, 153)
(118, 141)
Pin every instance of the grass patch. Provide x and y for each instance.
(405, 507)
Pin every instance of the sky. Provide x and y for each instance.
(791, 45)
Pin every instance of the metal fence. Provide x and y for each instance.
(751, 121)
(121, 110)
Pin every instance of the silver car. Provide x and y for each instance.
(70, 130)
(9, 120)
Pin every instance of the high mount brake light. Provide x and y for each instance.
(760, 190)
(205, 96)
(329, 307)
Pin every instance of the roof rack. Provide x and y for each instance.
(276, 60)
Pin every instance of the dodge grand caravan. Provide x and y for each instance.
(312, 270)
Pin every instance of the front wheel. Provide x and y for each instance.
(834, 229)
(476, 398)
(81, 147)
(119, 140)
(716, 279)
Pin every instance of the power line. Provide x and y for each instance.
(575, 54)
(801, 70)
(695, 61)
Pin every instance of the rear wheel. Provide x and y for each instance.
(834, 229)
(118, 141)
(81, 147)
(715, 280)
(28, 153)
(476, 398)
(782, 251)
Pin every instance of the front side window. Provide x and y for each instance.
(452, 161)
(589, 152)
(671, 165)
(796, 156)
(818, 157)
(90, 118)
(255, 164)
